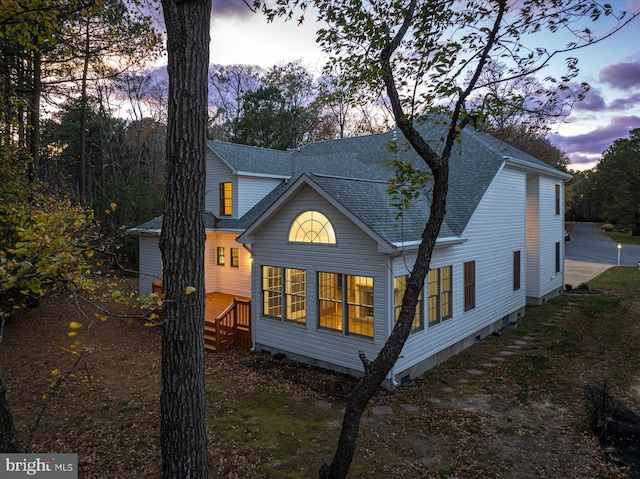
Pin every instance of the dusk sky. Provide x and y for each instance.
(612, 69)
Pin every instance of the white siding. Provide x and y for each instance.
(218, 172)
(544, 230)
(150, 263)
(551, 232)
(247, 191)
(355, 254)
(226, 279)
(252, 190)
(495, 231)
(533, 235)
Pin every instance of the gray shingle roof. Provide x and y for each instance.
(351, 171)
(252, 159)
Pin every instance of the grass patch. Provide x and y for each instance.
(624, 238)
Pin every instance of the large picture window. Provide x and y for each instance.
(312, 227)
(345, 303)
(439, 290)
(288, 284)
(399, 288)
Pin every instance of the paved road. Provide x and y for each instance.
(589, 244)
(590, 252)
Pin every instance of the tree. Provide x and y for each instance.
(429, 54)
(183, 432)
(229, 84)
(616, 182)
(265, 120)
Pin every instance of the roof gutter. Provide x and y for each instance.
(448, 241)
(530, 166)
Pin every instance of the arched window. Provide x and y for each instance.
(312, 227)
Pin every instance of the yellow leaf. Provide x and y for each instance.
(55, 372)
(71, 334)
(189, 290)
(113, 206)
(74, 325)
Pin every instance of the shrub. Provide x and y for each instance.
(607, 227)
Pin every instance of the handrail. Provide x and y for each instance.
(230, 312)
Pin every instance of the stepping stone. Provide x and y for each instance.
(475, 372)
(507, 353)
(447, 389)
(488, 365)
(463, 380)
(519, 343)
(323, 404)
(410, 407)
(381, 410)
(514, 346)
(572, 304)
(434, 400)
(548, 324)
(528, 338)
(498, 359)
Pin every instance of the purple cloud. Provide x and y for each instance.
(593, 101)
(625, 76)
(595, 141)
(578, 159)
(625, 103)
(231, 8)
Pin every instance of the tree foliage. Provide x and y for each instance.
(615, 182)
(48, 243)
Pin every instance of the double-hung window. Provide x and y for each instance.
(220, 256)
(284, 293)
(235, 258)
(469, 285)
(226, 199)
(399, 288)
(516, 270)
(439, 295)
(345, 303)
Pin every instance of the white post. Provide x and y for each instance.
(619, 248)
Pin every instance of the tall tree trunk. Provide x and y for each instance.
(34, 113)
(8, 436)
(182, 399)
(83, 117)
(377, 370)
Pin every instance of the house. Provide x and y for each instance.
(310, 235)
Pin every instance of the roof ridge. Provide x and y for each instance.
(368, 180)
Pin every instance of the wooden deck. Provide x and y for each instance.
(227, 322)
(216, 303)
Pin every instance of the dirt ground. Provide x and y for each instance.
(483, 414)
